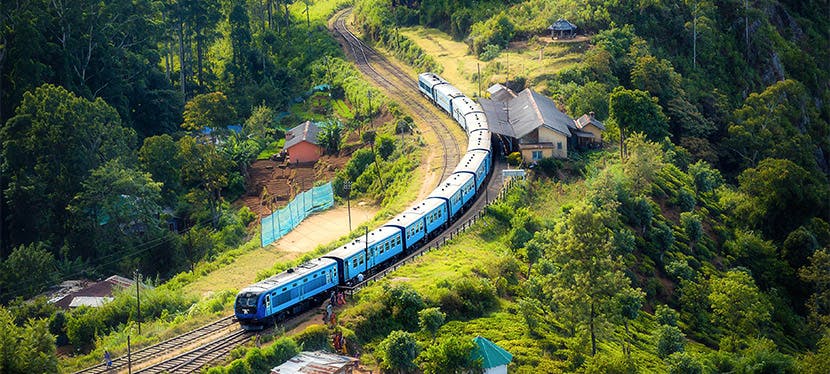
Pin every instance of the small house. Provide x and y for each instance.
(301, 143)
(588, 131)
(562, 29)
(494, 359)
(74, 293)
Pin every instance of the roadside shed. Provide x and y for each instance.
(317, 362)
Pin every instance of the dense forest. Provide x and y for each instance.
(697, 241)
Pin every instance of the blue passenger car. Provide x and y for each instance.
(434, 212)
(412, 226)
(456, 191)
(427, 83)
(363, 254)
(444, 93)
(477, 164)
(285, 294)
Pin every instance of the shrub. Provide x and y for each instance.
(670, 340)
(514, 159)
(314, 338)
(665, 315)
(489, 52)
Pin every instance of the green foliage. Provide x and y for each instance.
(469, 297)
(28, 270)
(683, 363)
(817, 273)
(514, 159)
(738, 306)
(26, 349)
(208, 110)
(637, 111)
(669, 340)
(497, 30)
(451, 355)
(314, 338)
(589, 97)
(430, 320)
(489, 52)
(398, 351)
(330, 136)
(779, 196)
(665, 315)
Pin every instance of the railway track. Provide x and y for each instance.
(398, 83)
(146, 354)
(199, 357)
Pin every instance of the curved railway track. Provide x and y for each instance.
(154, 351)
(400, 84)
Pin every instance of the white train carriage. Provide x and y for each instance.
(479, 141)
(462, 106)
(427, 83)
(476, 122)
(444, 94)
(477, 164)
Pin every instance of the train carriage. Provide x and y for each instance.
(435, 214)
(476, 122)
(411, 225)
(479, 141)
(477, 164)
(286, 293)
(444, 94)
(427, 83)
(456, 191)
(361, 256)
(462, 106)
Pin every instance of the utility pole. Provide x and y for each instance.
(478, 67)
(138, 299)
(348, 187)
(129, 357)
(366, 247)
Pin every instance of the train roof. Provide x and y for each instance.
(359, 243)
(470, 161)
(479, 140)
(449, 90)
(476, 121)
(466, 105)
(450, 186)
(289, 275)
(425, 206)
(431, 78)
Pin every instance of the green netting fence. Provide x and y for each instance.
(286, 219)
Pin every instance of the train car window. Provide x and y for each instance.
(361, 259)
(315, 275)
(305, 280)
(284, 288)
(354, 263)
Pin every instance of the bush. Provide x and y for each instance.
(670, 340)
(514, 159)
(314, 338)
(665, 315)
(489, 52)
(683, 363)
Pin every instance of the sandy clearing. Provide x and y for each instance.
(321, 228)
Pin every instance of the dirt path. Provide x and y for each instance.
(321, 228)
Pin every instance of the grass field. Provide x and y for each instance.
(535, 59)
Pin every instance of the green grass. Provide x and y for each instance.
(342, 110)
(272, 149)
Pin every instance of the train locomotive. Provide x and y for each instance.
(297, 289)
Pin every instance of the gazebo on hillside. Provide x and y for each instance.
(494, 359)
(562, 28)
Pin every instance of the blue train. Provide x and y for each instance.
(297, 289)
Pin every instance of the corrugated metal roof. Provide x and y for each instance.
(497, 117)
(530, 110)
(589, 118)
(562, 25)
(499, 92)
(306, 131)
(491, 354)
(318, 362)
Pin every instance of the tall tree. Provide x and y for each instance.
(636, 111)
(589, 273)
(29, 270)
(817, 273)
(204, 172)
(398, 351)
(208, 110)
(738, 306)
(49, 147)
